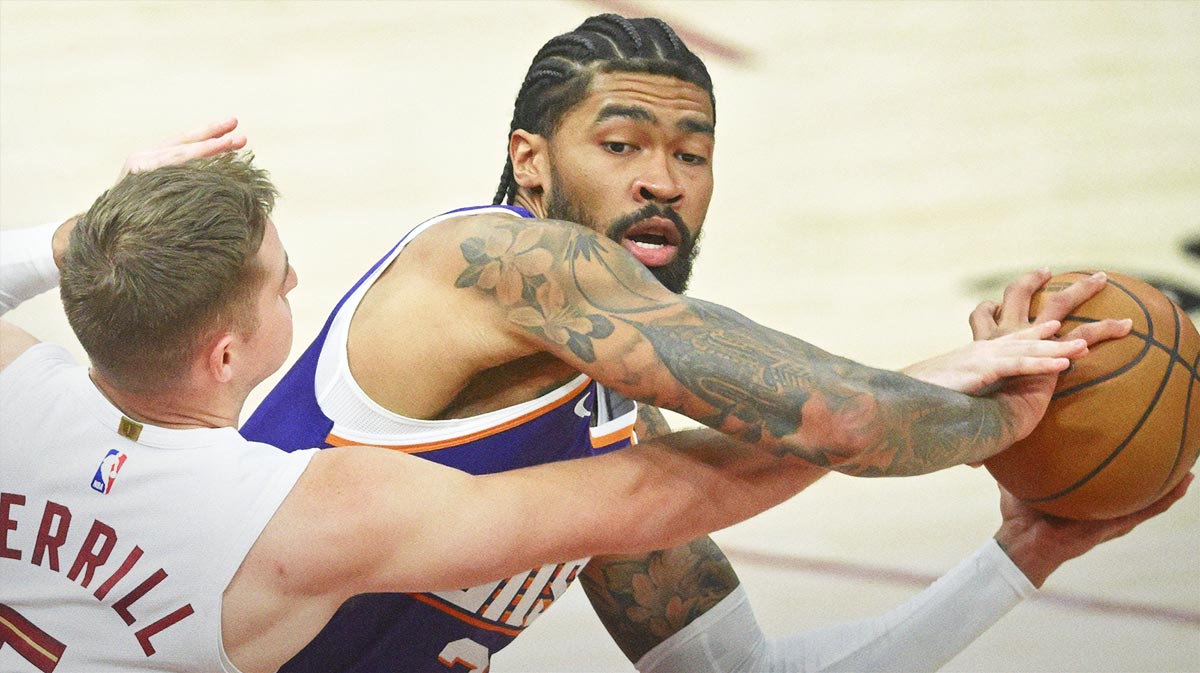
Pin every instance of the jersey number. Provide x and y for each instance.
(465, 652)
(29, 641)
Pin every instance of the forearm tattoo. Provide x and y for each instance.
(766, 380)
(642, 601)
(575, 288)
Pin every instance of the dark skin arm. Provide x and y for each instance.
(643, 600)
(560, 288)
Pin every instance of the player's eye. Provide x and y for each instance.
(693, 159)
(617, 147)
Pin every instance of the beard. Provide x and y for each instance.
(674, 275)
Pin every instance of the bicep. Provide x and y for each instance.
(359, 520)
(561, 288)
(370, 519)
(365, 519)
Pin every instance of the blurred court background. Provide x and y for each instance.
(880, 168)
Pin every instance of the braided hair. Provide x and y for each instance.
(562, 71)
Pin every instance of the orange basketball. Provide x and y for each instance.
(1123, 427)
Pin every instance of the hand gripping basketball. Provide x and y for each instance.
(1123, 424)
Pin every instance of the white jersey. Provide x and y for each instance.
(117, 540)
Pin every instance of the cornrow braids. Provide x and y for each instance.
(561, 72)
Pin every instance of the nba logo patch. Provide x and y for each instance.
(106, 474)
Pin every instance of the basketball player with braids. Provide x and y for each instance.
(552, 324)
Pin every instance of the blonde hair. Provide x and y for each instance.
(163, 260)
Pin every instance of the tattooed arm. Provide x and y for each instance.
(561, 288)
(645, 599)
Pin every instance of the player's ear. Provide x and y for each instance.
(530, 160)
(218, 357)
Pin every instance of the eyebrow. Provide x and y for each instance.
(641, 114)
(695, 126)
(627, 111)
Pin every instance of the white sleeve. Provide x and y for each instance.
(27, 266)
(921, 634)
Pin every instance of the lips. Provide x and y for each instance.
(653, 241)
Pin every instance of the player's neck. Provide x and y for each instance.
(531, 202)
(172, 409)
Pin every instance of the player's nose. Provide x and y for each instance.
(657, 182)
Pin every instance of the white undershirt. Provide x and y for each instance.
(921, 634)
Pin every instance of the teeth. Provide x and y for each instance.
(648, 246)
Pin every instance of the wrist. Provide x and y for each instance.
(1022, 549)
(996, 416)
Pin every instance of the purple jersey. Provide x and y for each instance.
(317, 403)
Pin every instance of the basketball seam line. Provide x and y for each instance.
(1117, 451)
(1150, 340)
(1162, 386)
(1172, 352)
(1183, 432)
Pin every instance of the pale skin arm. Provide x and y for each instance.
(200, 142)
(519, 287)
(365, 519)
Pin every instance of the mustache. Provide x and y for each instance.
(622, 225)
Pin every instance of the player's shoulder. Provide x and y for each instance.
(471, 233)
(481, 221)
(14, 342)
(477, 220)
(23, 356)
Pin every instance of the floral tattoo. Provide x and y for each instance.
(514, 268)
